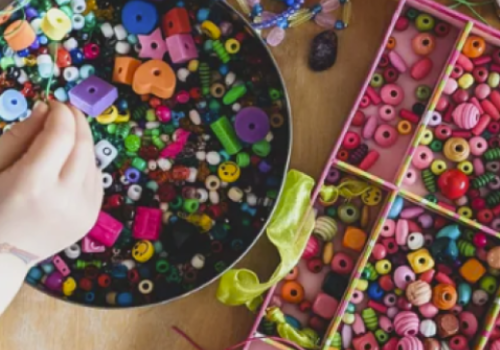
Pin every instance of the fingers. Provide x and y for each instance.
(81, 158)
(15, 142)
(53, 145)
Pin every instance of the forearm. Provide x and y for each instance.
(12, 273)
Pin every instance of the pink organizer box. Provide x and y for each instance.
(385, 124)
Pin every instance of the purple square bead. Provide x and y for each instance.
(93, 96)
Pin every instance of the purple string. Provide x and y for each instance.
(280, 17)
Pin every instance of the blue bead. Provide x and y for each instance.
(23, 53)
(452, 250)
(144, 272)
(339, 24)
(43, 39)
(464, 293)
(34, 275)
(289, 2)
(35, 45)
(13, 105)
(218, 232)
(396, 208)
(316, 9)
(119, 272)
(180, 4)
(124, 299)
(292, 321)
(450, 231)
(342, 2)
(139, 17)
(89, 297)
(61, 94)
(202, 14)
(224, 69)
(122, 105)
(375, 292)
(257, 10)
(77, 56)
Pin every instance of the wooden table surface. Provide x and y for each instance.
(320, 104)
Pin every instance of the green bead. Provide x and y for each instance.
(274, 94)
(225, 133)
(493, 198)
(273, 194)
(139, 163)
(261, 148)
(234, 94)
(429, 180)
(488, 284)
(243, 159)
(220, 266)
(176, 203)
(168, 129)
(158, 246)
(157, 141)
(370, 318)
(431, 198)
(191, 205)
(221, 52)
(67, 10)
(412, 14)
(466, 248)
(336, 340)
(162, 265)
(150, 115)
(349, 213)
(424, 22)
(436, 145)
(61, 2)
(482, 180)
(423, 92)
(377, 80)
(214, 105)
(7, 62)
(369, 272)
(153, 186)
(331, 211)
(111, 128)
(382, 337)
(133, 143)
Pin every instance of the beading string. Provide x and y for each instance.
(470, 5)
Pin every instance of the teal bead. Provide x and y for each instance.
(153, 186)
(158, 246)
(62, 2)
(464, 293)
(452, 250)
(47, 268)
(349, 213)
(61, 95)
(351, 308)
(208, 45)
(451, 231)
(67, 10)
(396, 208)
(86, 71)
(331, 211)
(132, 39)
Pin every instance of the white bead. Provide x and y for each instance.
(78, 6)
(120, 32)
(19, 61)
(415, 240)
(461, 201)
(165, 137)
(70, 44)
(213, 158)
(182, 74)
(8, 52)
(479, 297)
(214, 197)
(428, 328)
(236, 107)
(252, 199)
(212, 183)
(152, 165)
(35, 24)
(152, 125)
(73, 251)
(198, 261)
(201, 195)
(164, 207)
(166, 217)
(107, 180)
(230, 79)
(164, 164)
(105, 153)
(445, 346)
(269, 136)
(71, 73)
(194, 116)
(224, 184)
(124, 180)
(56, 71)
(129, 264)
(267, 202)
(201, 155)
(77, 21)
(235, 194)
(193, 172)
(122, 47)
(23, 77)
(107, 30)
(45, 65)
(134, 192)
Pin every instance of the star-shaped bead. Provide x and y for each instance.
(152, 46)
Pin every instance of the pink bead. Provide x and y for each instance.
(91, 51)
(482, 91)
(442, 132)
(410, 343)
(387, 113)
(364, 342)
(478, 145)
(392, 94)
(466, 116)
(403, 304)
(325, 20)
(357, 297)
(351, 140)
(413, 226)
(410, 177)
(411, 212)
(457, 309)
(457, 72)
(373, 95)
(403, 275)
(386, 136)
(106, 230)
(329, 5)
(346, 335)
(380, 308)
(461, 96)
(480, 240)
(481, 125)
(390, 245)
(365, 102)
(147, 223)
(450, 87)
(275, 36)
(468, 324)
(421, 69)
(392, 312)
(61, 266)
(480, 74)
(495, 99)
(379, 252)
(490, 109)
(312, 248)
(495, 68)
(342, 263)
(406, 323)
(481, 61)
(152, 46)
(401, 232)
(423, 157)
(276, 301)
(163, 113)
(428, 310)
(465, 63)
(402, 24)
(397, 61)
(359, 325)
(427, 276)
(182, 48)
(476, 103)
(478, 166)
(444, 279)
(390, 299)
(90, 246)
(182, 97)
(370, 127)
(389, 228)
(325, 305)
(385, 323)
(442, 104)
(495, 345)
(370, 160)
(391, 344)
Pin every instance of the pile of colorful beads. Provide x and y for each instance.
(427, 285)
(458, 159)
(311, 292)
(397, 95)
(191, 128)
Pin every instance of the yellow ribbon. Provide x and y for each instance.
(289, 230)
(307, 338)
(329, 194)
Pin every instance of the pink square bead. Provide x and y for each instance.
(61, 266)
(91, 246)
(106, 230)
(325, 305)
(181, 48)
(147, 224)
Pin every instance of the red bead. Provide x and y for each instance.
(391, 75)
(305, 306)
(154, 102)
(384, 61)
(85, 284)
(91, 51)
(386, 283)
(115, 201)
(485, 216)
(494, 127)
(318, 324)
(104, 280)
(63, 58)
(403, 304)
(240, 36)
(315, 265)
(473, 193)
(390, 245)
(480, 240)
(167, 192)
(453, 184)
(195, 93)
(427, 276)
(402, 24)
(133, 276)
(359, 119)
(439, 222)
(478, 204)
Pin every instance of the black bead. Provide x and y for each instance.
(418, 108)
(335, 285)
(323, 51)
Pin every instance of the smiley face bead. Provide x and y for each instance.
(372, 196)
(143, 251)
(229, 172)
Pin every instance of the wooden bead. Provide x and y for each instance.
(472, 270)
(444, 296)
(474, 47)
(19, 35)
(423, 44)
(292, 292)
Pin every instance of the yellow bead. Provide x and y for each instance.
(108, 116)
(494, 80)
(143, 251)
(466, 167)
(372, 196)
(30, 61)
(193, 65)
(456, 149)
(365, 217)
(232, 46)
(201, 220)
(466, 81)
(348, 318)
(427, 137)
(383, 267)
(229, 172)
(123, 118)
(69, 286)
(211, 30)
(404, 127)
(328, 250)
(361, 285)
(56, 24)
(399, 292)
(420, 261)
(438, 166)
(466, 212)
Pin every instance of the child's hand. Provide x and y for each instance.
(50, 187)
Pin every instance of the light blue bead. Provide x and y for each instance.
(351, 308)
(158, 246)
(224, 155)
(396, 208)
(132, 39)
(62, 2)
(450, 231)
(464, 293)
(207, 45)
(47, 268)
(61, 95)
(202, 14)
(86, 71)
(248, 209)
(452, 250)
(13, 105)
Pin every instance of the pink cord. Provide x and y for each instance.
(239, 345)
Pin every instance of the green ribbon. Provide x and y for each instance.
(470, 5)
(288, 230)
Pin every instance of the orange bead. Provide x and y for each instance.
(154, 77)
(293, 274)
(474, 47)
(292, 292)
(472, 270)
(423, 44)
(63, 58)
(354, 238)
(391, 43)
(444, 296)
(343, 155)
(19, 35)
(124, 69)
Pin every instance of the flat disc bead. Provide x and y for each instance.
(423, 157)
(423, 44)
(386, 136)
(456, 149)
(392, 94)
(387, 113)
